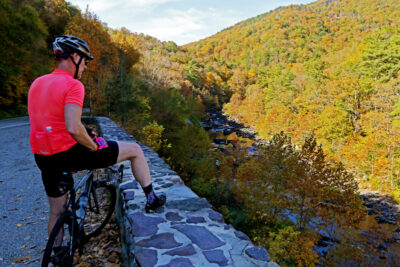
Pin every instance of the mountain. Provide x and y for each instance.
(330, 67)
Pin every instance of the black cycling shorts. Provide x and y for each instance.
(58, 167)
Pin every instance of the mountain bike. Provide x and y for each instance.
(90, 206)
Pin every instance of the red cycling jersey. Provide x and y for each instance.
(47, 97)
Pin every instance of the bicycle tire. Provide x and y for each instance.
(101, 205)
(50, 258)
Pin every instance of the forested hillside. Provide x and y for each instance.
(331, 68)
(301, 76)
(135, 79)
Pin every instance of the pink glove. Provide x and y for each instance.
(101, 142)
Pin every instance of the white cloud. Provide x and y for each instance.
(175, 22)
(147, 2)
(181, 21)
(95, 5)
(183, 26)
(120, 5)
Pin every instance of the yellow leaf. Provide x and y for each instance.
(19, 225)
(22, 259)
(23, 247)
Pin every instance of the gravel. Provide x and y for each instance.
(23, 202)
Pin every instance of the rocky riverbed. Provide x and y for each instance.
(381, 207)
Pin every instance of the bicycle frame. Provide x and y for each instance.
(88, 180)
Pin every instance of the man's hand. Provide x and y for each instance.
(74, 126)
(101, 142)
(92, 133)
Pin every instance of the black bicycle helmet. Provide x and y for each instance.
(65, 45)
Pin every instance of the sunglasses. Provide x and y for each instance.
(85, 60)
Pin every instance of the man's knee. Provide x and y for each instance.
(136, 150)
(129, 151)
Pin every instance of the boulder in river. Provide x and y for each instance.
(228, 131)
(220, 141)
(371, 212)
(206, 125)
(368, 204)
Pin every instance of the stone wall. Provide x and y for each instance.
(186, 232)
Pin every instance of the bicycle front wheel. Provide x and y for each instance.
(101, 205)
(57, 252)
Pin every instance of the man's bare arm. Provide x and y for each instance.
(74, 126)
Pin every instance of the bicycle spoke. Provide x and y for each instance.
(102, 204)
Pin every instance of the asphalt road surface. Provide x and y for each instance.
(23, 202)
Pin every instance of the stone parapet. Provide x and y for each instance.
(186, 232)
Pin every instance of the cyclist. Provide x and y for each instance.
(59, 140)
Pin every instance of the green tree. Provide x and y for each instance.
(193, 73)
(170, 46)
(22, 59)
(380, 59)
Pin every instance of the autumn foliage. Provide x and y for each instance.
(320, 82)
(331, 67)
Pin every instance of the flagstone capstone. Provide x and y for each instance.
(185, 232)
(179, 262)
(190, 204)
(129, 194)
(167, 185)
(162, 241)
(241, 235)
(216, 256)
(173, 216)
(215, 216)
(194, 219)
(146, 257)
(129, 185)
(143, 225)
(258, 253)
(200, 235)
(183, 251)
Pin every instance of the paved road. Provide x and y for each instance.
(23, 203)
(11, 123)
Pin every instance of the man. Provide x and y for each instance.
(59, 140)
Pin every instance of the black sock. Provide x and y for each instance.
(148, 189)
(150, 195)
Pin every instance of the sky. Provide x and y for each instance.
(181, 21)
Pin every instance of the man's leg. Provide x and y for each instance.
(57, 206)
(140, 168)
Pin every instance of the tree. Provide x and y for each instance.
(23, 37)
(382, 55)
(297, 186)
(170, 46)
(192, 73)
(106, 59)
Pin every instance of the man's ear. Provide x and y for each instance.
(76, 57)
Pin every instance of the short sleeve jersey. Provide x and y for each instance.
(47, 98)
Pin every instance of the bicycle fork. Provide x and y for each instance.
(81, 214)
